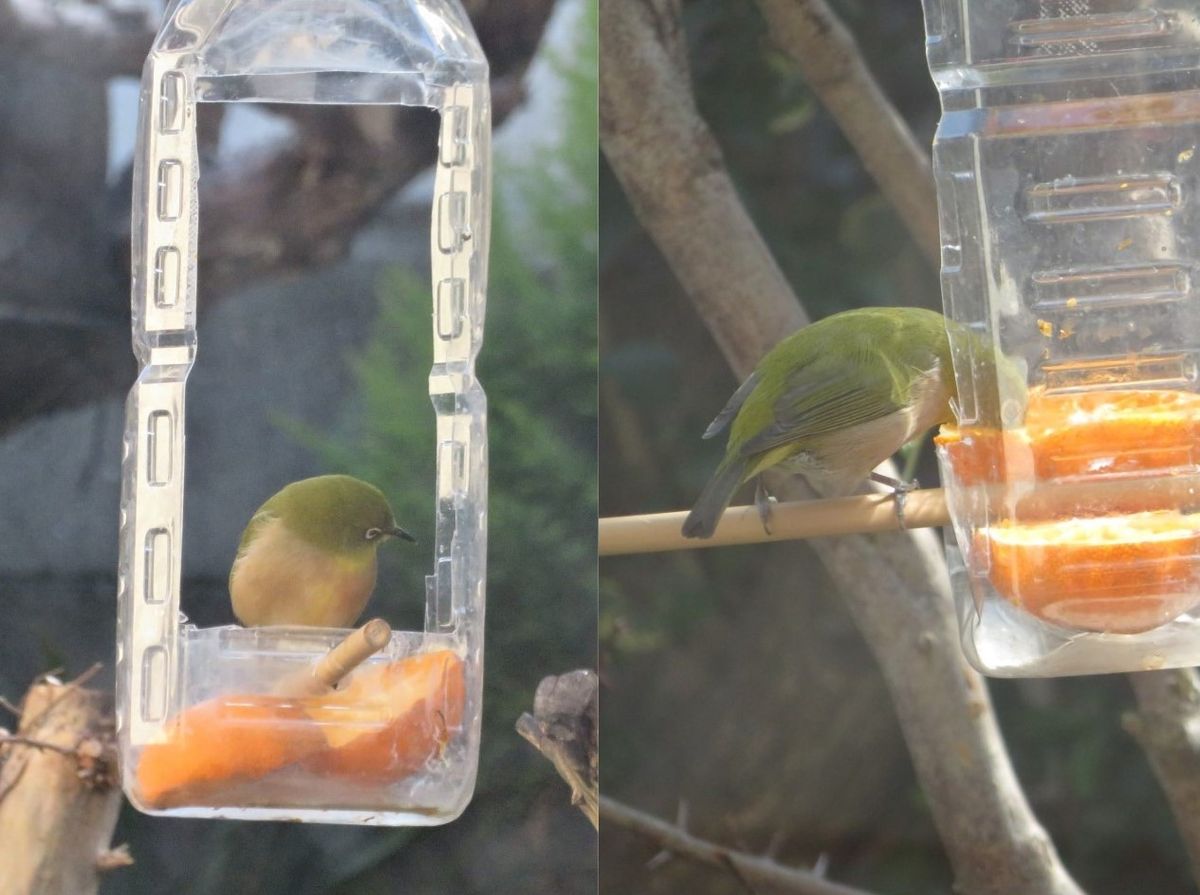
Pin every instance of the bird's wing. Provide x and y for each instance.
(732, 407)
(827, 395)
(253, 529)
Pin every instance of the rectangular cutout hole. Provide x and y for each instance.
(159, 447)
(166, 277)
(158, 565)
(171, 103)
(154, 684)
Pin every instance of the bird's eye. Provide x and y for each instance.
(373, 533)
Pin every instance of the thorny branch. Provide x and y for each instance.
(749, 869)
(684, 198)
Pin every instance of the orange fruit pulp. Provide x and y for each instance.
(383, 723)
(1118, 574)
(1090, 433)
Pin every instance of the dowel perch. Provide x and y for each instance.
(864, 514)
(656, 532)
(355, 649)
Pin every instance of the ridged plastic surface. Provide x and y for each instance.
(305, 759)
(1068, 180)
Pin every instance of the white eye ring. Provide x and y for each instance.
(373, 533)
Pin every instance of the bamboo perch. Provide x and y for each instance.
(355, 649)
(864, 514)
(656, 532)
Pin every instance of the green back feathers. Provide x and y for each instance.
(842, 371)
(332, 512)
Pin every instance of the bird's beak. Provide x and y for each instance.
(401, 533)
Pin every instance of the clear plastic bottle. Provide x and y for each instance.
(208, 724)
(1068, 180)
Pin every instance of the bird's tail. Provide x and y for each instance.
(710, 506)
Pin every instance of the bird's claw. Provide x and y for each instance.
(899, 493)
(762, 501)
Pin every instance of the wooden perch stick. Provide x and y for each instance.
(565, 728)
(655, 532)
(358, 646)
(58, 793)
(748, 868)
(869, 513)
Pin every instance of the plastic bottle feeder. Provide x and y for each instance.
(246, 722)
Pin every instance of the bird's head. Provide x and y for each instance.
(338, 513)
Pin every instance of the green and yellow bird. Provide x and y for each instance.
(835, 399)
(307, 556)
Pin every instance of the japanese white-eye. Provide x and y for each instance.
(307, 556)
(835, 399)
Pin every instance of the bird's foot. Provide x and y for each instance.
(899, 492)
(763, 501)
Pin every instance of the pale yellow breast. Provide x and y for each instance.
(282, 580)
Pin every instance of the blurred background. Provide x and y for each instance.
(735, 682)
(314, 354)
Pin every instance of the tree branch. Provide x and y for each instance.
(812, 36)
(101, 36)
(565, 727)
(58, 793)
(1167, 726)
(666, 159)
(747, 867)
(672, 170)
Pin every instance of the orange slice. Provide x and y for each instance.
(384, 723)
(1114, 431)
(1120, 574)
(387, 721)
(979, 455)
(1102, 437)
(224, 740)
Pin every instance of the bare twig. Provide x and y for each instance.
(13, 740)
(824, 50)
(746, 867)
(650, 130)
(1167, 726)
(564, 727)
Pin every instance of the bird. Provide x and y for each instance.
(308, 554)
(838, 397)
